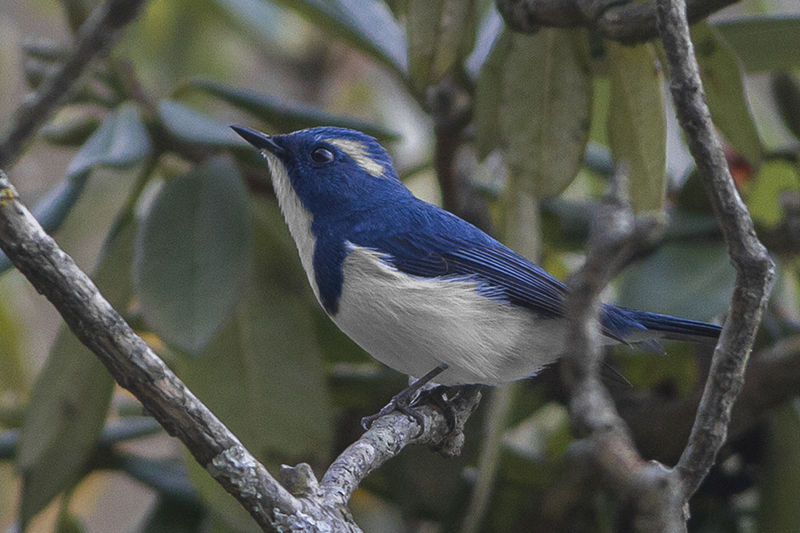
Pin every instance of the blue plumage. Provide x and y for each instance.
(398, 274)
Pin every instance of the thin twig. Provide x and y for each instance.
(755, 271)
(450, 106)
(619, 20)
(96, 34)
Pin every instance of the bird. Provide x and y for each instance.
(421, 290)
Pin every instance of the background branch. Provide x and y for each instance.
(755, 271)
(655, 495)
(607, 447)
(96, 34)
(627, 22)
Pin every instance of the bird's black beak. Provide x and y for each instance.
(262, 141)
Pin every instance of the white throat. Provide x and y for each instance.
(297, 217)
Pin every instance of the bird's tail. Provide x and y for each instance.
(643, 328)
(672, 327)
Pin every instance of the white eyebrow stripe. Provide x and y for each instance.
(358, 153)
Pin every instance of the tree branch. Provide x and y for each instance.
(95, 35)
(137, 368)
(389, 435)
(607, 447)
(755, 271)
(619, 20)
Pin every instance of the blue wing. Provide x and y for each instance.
(500, 273)
(433, 243)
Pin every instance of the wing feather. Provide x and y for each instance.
(432, 243)
(500, 273)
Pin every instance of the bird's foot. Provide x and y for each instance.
(440, 397)
(405, 400)
(402, 402)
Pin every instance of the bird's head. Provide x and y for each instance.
(330, 169)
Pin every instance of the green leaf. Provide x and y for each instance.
(53, 208)
(120, 142)
(195, 127)
(192, 254)
(764, 43)
(129, 428)
(678, 371)
(764, 195)
(488, 97)
(287, 116)
(669, 280)
(70, 130)
(70, 399)
(69, 523)
(489, 30)
(544, 110)
(369, 26)
(722, 80)
(440, 35)
(636, 125)
(267, 354)
(268, 359)
(261, 18)
(225, 514)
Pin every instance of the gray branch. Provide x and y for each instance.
(134, 365)
(755, 271)
(389, 435)
(607, 447)
(655, 495)
(619, 20)
(94, 36)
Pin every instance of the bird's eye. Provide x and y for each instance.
(321, 155)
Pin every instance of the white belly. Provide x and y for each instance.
(412, 325)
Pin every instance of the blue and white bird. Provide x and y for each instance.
(415, 286)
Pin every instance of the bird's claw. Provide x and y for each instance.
(400, 402)
(403, 403)
(405, 400)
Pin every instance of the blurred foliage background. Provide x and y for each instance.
(141, 180)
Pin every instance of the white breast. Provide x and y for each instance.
(297, 217)
(413, 325)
